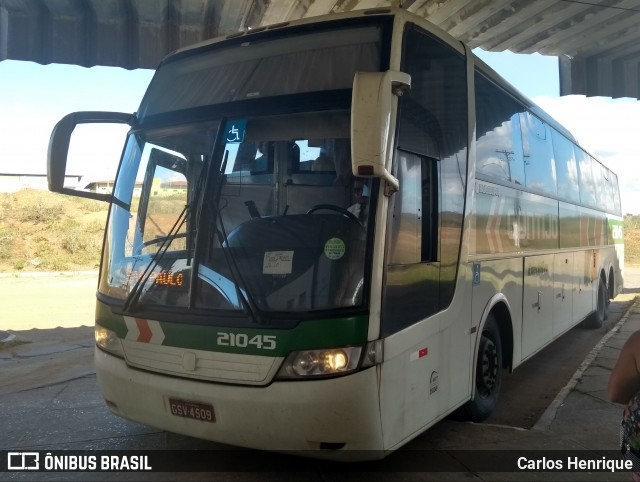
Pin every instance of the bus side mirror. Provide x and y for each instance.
(373, 108)
(59, 148)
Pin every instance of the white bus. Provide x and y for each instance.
(348, 227)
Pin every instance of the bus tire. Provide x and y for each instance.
(598, 317)
(488, 374)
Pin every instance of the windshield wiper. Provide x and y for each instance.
(134, 295)
(243, 295)
(247, 301)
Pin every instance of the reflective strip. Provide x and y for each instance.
(144, 331)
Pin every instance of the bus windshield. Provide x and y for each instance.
(268, 224)
(317, 61)
(235, 192)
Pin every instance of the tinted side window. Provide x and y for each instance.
(611, 203)
(539, 167)
(567, 168)
(604, 188)
(617, 208)
(499, 141)
(585, 178)
(413, 285)
(607, 199)
(406, 222)
(414, 226)
(430, 113)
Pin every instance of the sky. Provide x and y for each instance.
(34, 97)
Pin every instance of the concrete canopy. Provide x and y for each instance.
(597, 41)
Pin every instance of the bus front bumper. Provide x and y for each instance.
(336, 418)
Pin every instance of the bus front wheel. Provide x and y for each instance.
(488, 374)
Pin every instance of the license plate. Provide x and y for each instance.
(195, 410)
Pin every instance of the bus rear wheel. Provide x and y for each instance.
(488, 374)
(601, 313)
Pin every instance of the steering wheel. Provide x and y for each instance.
(338, 209)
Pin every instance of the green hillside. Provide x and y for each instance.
(43, 231)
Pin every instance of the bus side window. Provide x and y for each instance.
(499, 139)
(585, 178)
(414, 226)
(429, 210)
(413, 283)
(614, 194)
(540, 168)
(566, 167)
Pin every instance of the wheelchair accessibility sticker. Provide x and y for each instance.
(235, 130)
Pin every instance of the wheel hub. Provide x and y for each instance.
(489, 368)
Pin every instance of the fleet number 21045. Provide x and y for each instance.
(242, 340)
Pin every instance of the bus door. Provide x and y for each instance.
(427, 355)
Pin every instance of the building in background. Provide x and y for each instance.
(12, 182)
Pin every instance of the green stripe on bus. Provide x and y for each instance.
(310, 334)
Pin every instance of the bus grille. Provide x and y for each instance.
(201, 365)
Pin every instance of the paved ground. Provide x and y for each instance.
(45, 300)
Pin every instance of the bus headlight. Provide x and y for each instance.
(108, 341)
(330, 362)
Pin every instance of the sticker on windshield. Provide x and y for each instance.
(277, 262)
(235, 130)
(334, 249)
